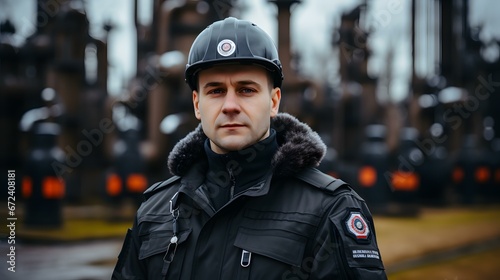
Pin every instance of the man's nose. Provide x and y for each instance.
(231, 103)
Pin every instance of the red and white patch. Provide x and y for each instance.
(357, 226)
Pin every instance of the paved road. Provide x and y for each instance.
(92, 260)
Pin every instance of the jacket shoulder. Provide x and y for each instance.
(321, 180)
(157, 187)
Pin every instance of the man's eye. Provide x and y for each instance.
(247, 90)
(215, 91)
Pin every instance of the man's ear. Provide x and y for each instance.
(196, 102)
(275, 101)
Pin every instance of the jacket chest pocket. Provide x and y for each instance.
(156, 235)
(268, 253)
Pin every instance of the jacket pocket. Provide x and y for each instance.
(158, 243)
(154, 223)
(272, 252)
(155, 233)
(276, 244)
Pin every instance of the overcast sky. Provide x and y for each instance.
(311, 23)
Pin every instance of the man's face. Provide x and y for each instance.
(235, 104)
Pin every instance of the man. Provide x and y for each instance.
(246, 201)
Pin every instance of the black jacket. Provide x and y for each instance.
(294, 223)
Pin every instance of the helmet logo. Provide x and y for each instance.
(226, 47)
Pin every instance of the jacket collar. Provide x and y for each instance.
(240, 168)
(299, 147)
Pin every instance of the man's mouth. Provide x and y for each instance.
(232, 125)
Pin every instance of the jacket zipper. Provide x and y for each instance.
(233, 183)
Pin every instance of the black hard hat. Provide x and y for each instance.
(233, 41)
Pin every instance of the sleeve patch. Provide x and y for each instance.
(359, 246)
(357, 227)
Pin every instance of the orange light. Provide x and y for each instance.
(458, 175)
(367, 176)
(482, 174)
(405, 181)
(113, 185)
(137, 183)
(27, 187)
(52, 188)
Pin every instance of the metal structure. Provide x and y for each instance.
(445, 149)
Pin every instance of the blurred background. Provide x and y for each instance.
(404, 93)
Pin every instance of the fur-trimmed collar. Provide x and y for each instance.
(299, 147)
